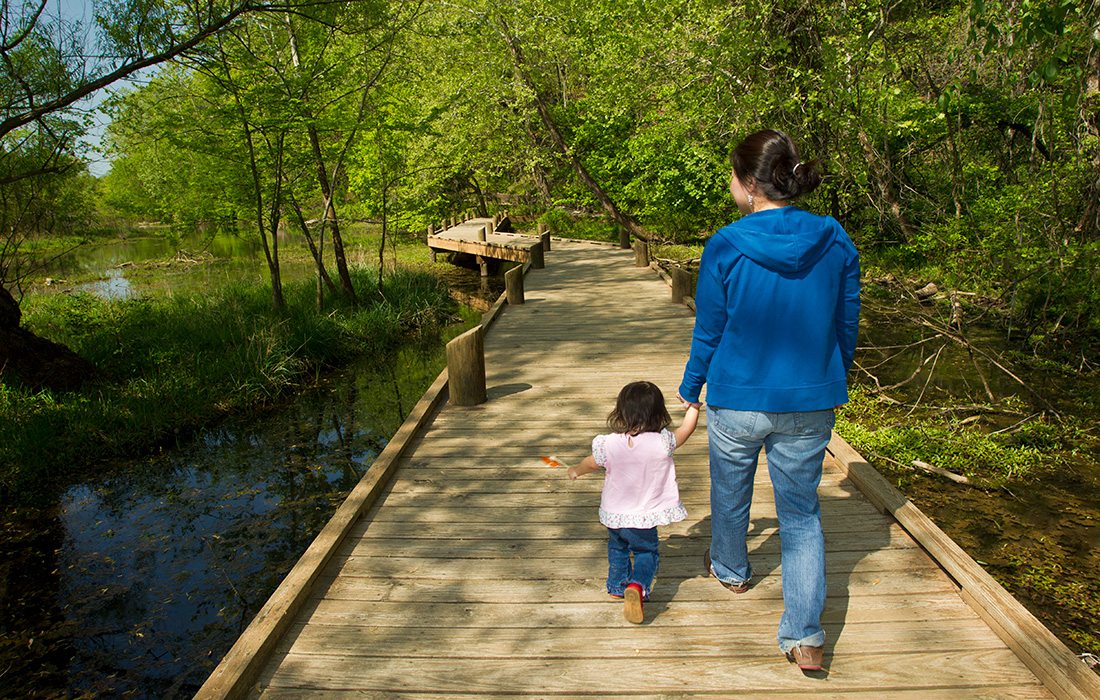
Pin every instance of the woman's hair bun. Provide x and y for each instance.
(770, 159)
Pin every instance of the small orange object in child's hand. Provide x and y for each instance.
(552, 461)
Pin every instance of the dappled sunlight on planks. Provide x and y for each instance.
(480, 570)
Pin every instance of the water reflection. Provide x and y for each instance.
(138, 583)
(116, 286)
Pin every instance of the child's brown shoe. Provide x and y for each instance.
(632, 604)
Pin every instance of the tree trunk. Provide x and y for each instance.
(330, 215)
(609, 206)
(322, 273)
(1089, 226)
(883, 174)
(33, 362)
(323, 180)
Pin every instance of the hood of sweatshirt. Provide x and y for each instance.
(787, 240)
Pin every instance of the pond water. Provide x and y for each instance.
(137, 582)
(105, 268)
(1039, 536)
(120, 268)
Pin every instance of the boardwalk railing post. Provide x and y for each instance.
(544, 238)
(681, 284)
(490, 227)
(538, 260)
(481, 234)
(513, 285)
(624, 238)
(466, 368)
(641, 253)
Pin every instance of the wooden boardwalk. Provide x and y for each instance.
(466, 237)
(480, 570)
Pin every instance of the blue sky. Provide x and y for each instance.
(83, 12)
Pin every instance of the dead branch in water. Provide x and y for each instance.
(925, 467)
(962, 341)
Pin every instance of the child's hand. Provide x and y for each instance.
(572, 473)
(688, 404)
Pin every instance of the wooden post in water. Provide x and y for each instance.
(681, 284)
(513, 285)
(482, 263)
(641, 253)
(466, 368)
(538, 260)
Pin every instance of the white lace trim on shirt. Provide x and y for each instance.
(644, 520)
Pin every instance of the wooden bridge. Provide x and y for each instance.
(463, 565)
(487, 238)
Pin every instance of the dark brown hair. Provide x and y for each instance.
(640, 408)
(770, 159)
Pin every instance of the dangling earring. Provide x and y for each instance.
(751, 207)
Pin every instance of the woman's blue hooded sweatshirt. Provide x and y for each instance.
(777, 314)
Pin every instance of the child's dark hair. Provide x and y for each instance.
(640, 408)
(770, 159)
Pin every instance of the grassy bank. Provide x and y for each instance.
(170, 364)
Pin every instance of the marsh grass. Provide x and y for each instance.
(892, 439)
(171, 364)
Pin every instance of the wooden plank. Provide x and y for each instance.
(859, 528)
(486, 548)
(664, 674)
(693, 497)
(587, 489)
(1059, 669)
(717, 614)
(591, 589)
(490, 248)
(989, 692)
(454, 566)
(568, 643)
(443, 512)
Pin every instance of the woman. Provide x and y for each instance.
(777, 313)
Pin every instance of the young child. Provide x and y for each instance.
(639, 488)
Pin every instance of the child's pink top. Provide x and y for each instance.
(639, 488)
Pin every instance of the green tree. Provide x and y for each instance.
(47, 65)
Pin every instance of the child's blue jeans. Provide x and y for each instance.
(621, 543)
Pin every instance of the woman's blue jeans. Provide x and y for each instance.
(795, 446)
(621, 542)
